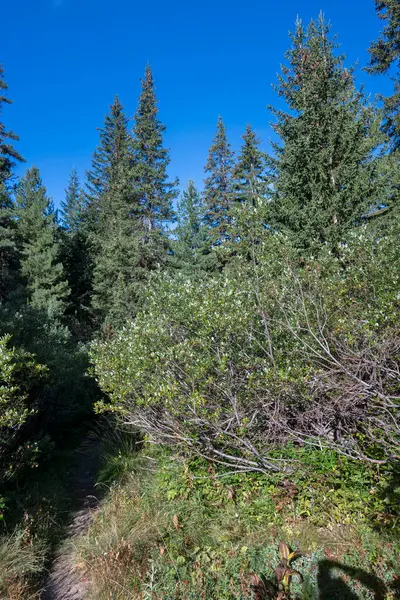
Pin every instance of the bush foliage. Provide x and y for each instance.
(288, 349)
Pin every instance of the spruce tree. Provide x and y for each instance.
(385, 52)
(250, 171)
(118, 276)
(76, 258)
(326, 166)
(136, 207)
(113, 150)
(251, 189)
(9, 157)
(191, 247)
(110, 199)
(40, 266)
(218, 187)
(74, 207)
(154, 192)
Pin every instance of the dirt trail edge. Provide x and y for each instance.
(64, 581)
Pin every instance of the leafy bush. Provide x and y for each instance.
(234, 367)
(20, 375)
(69, 393)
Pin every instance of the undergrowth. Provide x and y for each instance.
(177, 529)
(21, 558)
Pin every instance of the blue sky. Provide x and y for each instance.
(65, 60)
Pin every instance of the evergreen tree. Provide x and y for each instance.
(218, 187)
(118, 275)
(112, 151)
(110, 205)
(76, 258)
(8, 254)
(326, 168)
(251, 187)
(191, 248)
(135, 210)
(8, 159)
(9, 156)
(74, 207)
(384, 53)
(154, 192)
(44, 274)
(249, 174)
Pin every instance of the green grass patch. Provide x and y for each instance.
(178, 529)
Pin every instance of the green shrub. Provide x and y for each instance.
(20, 376)
(238, 365)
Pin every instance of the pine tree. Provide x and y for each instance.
(192, 248)
(8, 159)
(9, 156)
(326, 168)
(74, 207)
(8, 253)
(136, 207)
(110, 207)
(218, 187)
(118, 276)
(113, 150)
(76, 257)
(249, 174)
(44, 274)
(251, 188)
(154, 192)
(384, 53)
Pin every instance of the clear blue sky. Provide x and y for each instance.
(65, 60)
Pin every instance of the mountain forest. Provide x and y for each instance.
(200, 388)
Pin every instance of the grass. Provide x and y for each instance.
(162, 534)
(118, 452)
(170, 528)
(21, 558)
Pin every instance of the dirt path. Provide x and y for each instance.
(64, 581)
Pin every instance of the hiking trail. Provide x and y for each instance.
(65, 581)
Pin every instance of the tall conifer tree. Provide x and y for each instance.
(138, 205)
(251, 189)
(154, 192)
(326, 165)
(192, 248)
(110, 212)
(250, 171)
(117, 274)
(74, 207)
(218, 186)
(40, 266)
(385, 52)
(77, 258)
(113, 152)
(9, 156)
(136, 209)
